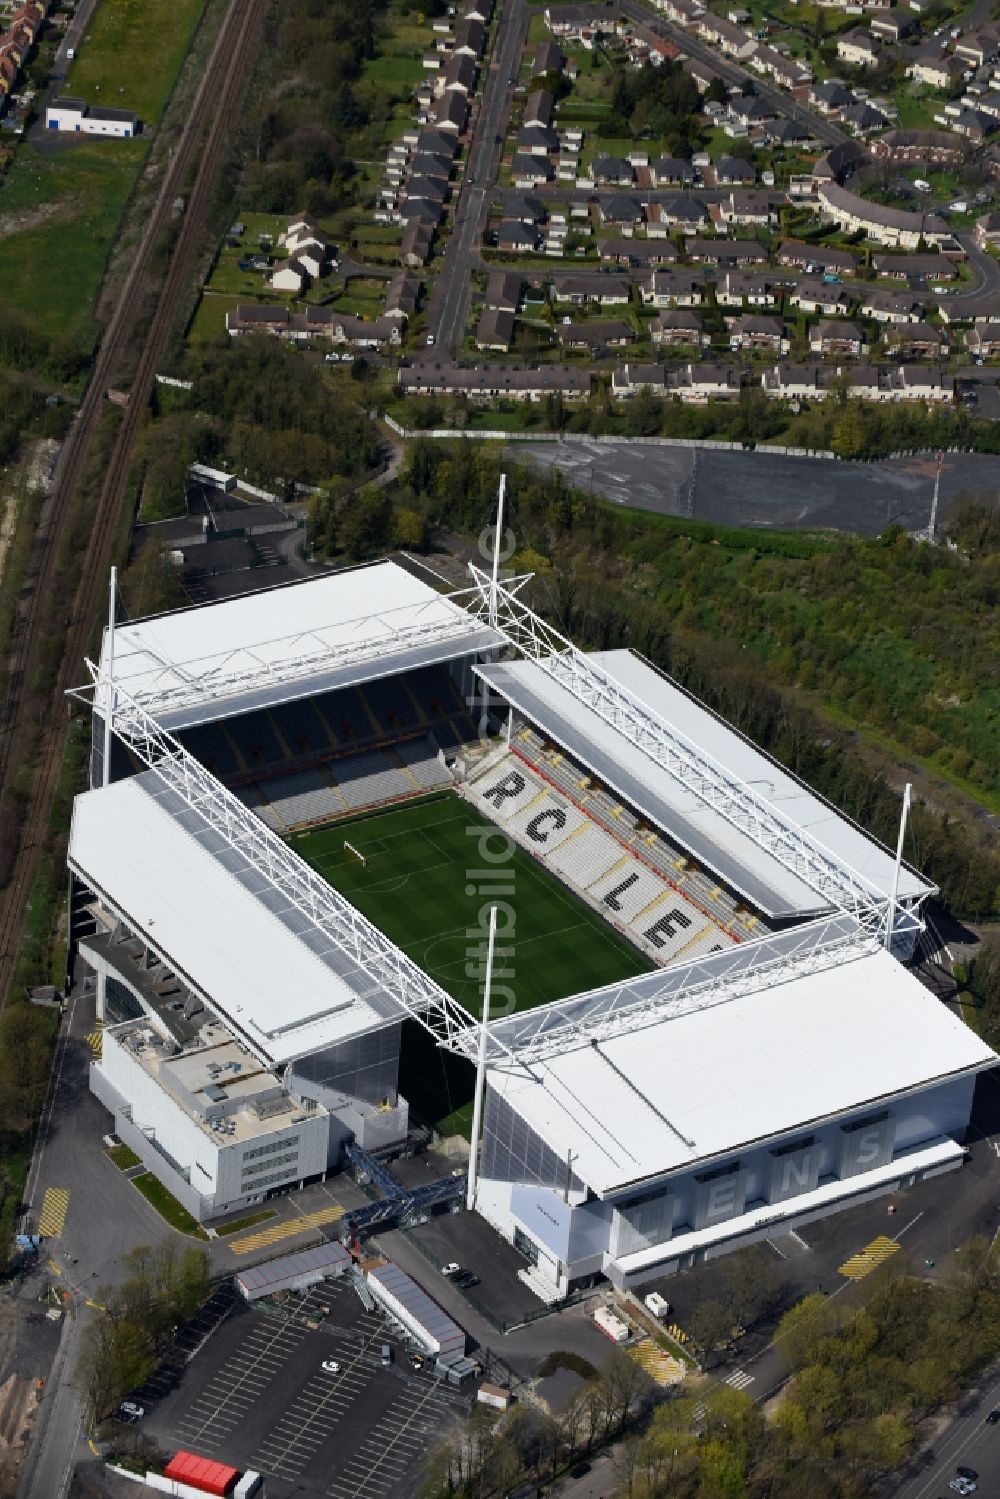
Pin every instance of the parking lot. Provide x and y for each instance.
(258, 1395)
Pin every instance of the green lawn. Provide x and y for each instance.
(169, 1209)
(416, 887)
(68, 208)
(122, 1157)
(132, 52)
(209, 321)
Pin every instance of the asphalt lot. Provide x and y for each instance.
(257, 1396)
(769, 490)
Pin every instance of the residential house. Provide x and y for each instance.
(680, 211)
(460, 74)
(977, 48)
(706, 382)
(672, 289)
(935, 68)
(987, 231)
(894, 27)
(537, 140)
(747, 207)
(612, 171)
(401, 296)
(812, 294)
(751, 332)
(583, 21)
(750, 110)
(539, 107)
(974, 124)
(817, 258)
(548, 59)
(915, 341)
(530, 171)
(677, 329)
(889, 306)
(787, 72)
(670, 171)
(683, 12)
(924, 147)
(796, 382)
(731, 40)
(913, 383)
(289, 276)
(620, 210)
(450, 112)
(631, 379)
(503, 291)
(831, 97)
(595, 288)
(838, 339)
(417, 244)
(494, 382)
(860, 49)
(637, 252)
(733, 170)
(515, 237)
(886, 226)
(727, 251)
(744, 288)
(495, 330)
(970, 309)
(74, 117)
(862, 119)
(596, 334)
(983, 340)
(787, 133)
(470, 38)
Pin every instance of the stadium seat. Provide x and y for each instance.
(305, 796)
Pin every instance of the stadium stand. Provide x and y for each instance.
(423, 764)
(594, 860)
(351, 783)
(303, 796)
(652, 845)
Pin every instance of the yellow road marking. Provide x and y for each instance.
(52, 1218)
(287, 1229)
(659, 1365)
(677, 1333)
(95, 1040)
(868, 1259)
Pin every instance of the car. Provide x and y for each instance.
(968, 1473)
(993, 1418)
(466, 1279)
(130, 1411)
(451, 1268)
(430, 340)
(963, 1486)
(330, 1366)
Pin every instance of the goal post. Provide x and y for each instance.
(350, 849)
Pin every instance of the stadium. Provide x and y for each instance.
(304, 803)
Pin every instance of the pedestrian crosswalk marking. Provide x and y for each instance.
(286, 1229)
(659, 1365)
(52, 1218)
(739, 1379)
(869, 1258)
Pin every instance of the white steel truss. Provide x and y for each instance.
(388, 968)
(699, 984)
(168, 687)
(838, 885)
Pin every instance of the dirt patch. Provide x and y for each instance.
(31, 218)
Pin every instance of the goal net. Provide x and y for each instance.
(350, 849)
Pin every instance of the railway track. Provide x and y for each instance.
(206, 130)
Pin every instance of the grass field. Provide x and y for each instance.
(132, 52)
(421, 889)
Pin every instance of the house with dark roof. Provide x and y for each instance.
(495, 330)
(503, 291)
(677, 328)
(838, 339)
(754, 331)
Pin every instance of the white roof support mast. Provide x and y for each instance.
(495, 583)
(109, 699)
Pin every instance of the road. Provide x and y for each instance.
(769, 490)
(968, 1442)
(446, 311)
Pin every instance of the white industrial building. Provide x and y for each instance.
(777, 1063)
(76, 117)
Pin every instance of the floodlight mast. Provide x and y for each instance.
(890, 924)
(109, 690)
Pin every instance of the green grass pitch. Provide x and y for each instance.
(417, 888)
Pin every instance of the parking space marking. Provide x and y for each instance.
(230, 1393)
(52, 1218)
(288, 1228)
(391, 1449)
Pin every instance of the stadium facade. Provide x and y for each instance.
(776, 1063)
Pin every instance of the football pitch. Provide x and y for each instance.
(426, 884)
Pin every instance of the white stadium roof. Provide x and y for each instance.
(263, 648)
(766, 881)
(772, 1062)
(279, 984)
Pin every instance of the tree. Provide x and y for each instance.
(409, 530)
(716, 93)
(365, 523)
(26, 1041)
(709, 1324)
(805, 1329)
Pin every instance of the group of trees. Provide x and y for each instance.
(485, 1457)
(660, 101)
(163, 1286)
(982, 979)
(260, 410)
(362, 524)
(789, 637)
(27, 1038)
